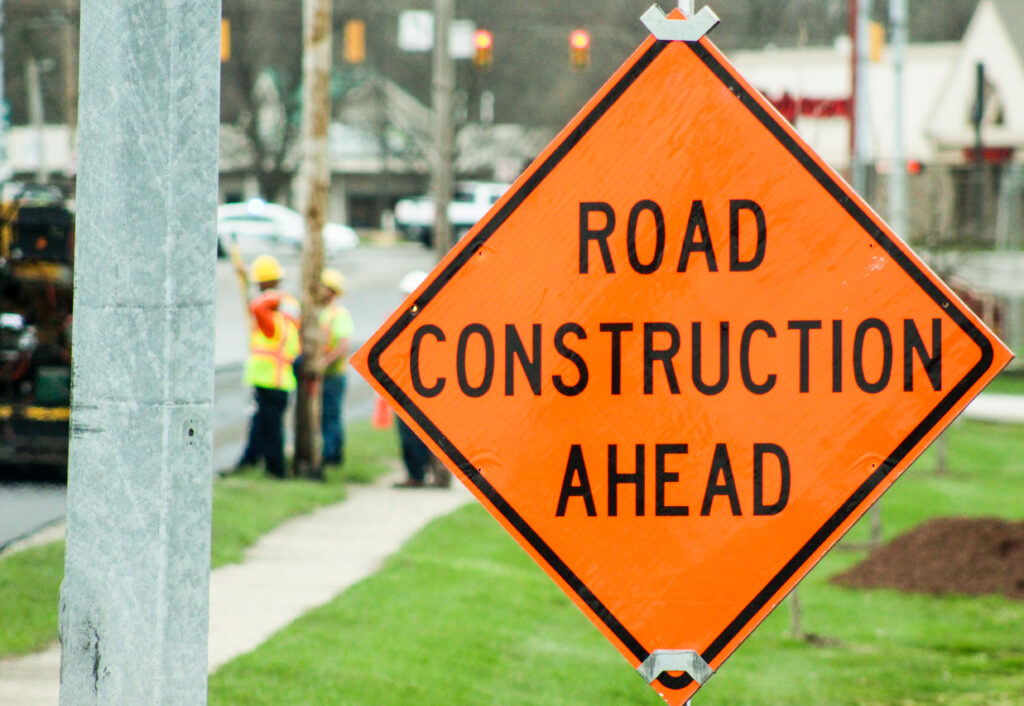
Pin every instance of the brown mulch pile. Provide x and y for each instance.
(949, 555)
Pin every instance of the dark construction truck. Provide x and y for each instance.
(36, 248)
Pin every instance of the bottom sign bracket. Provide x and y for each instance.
(688, 661)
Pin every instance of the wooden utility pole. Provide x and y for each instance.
(314, 176)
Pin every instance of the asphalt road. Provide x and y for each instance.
(372, 274)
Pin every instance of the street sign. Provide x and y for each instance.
(416, 30)
(679, 359)
(416, 34)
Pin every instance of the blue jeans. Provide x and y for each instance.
(266, 431)
(331, 427)
(414, 452)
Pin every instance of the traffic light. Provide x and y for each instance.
(483, 43)
(355, 42)
(876, 40)
(225, 40)
(579, 49)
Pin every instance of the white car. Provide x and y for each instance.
(470, 202)
(257, 226)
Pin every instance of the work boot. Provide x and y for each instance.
(409, 483)
(440, 476)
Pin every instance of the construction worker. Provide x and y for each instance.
(422, 467)
(336, 333)
(273, 346)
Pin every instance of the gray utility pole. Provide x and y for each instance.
(71, 75)
(860, 131)
(315, 178)
(443, 88)
(5, 167)
(135, 596)
(978, 173)
(898, 172)
(861, 117)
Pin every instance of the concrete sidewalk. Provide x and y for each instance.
(991, 407)
(298, 566)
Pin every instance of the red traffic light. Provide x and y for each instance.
(482, 39)
(579, 49)
(483, 42)
(579, 39)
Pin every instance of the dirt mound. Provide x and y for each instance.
(949, 555)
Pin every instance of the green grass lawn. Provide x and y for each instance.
(1007, 383)
(462, 616)
(245, 506)
(29, 582)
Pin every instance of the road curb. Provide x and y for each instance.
(44, 534)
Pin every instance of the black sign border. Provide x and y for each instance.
(851, 206)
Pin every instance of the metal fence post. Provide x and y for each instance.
(134, 601)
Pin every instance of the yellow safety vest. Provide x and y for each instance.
(270, 358)
(329, 334)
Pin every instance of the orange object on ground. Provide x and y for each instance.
(382, 415)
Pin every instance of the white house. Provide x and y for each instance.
(994, 40)
(812, 86)
(939, 90)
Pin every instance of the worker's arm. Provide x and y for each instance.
(342, 329)
(240, 271)
(340, 350)
(263, 309)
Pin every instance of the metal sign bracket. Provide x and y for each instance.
(688, 661)
(688, 30)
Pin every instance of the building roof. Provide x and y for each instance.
(994, 39)
(1012, 14)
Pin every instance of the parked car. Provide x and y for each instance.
(414, 216)
(258, 226)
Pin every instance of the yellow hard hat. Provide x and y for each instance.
(266, 268)
(333, 280)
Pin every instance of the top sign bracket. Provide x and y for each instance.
(688, 30)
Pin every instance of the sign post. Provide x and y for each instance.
(679, 359)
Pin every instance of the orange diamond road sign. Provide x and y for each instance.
(679, 359)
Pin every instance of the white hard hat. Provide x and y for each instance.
(411, 281)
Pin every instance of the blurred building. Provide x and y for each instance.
(957, 194)
(380, 139)
(380, 142)
(965, 159)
